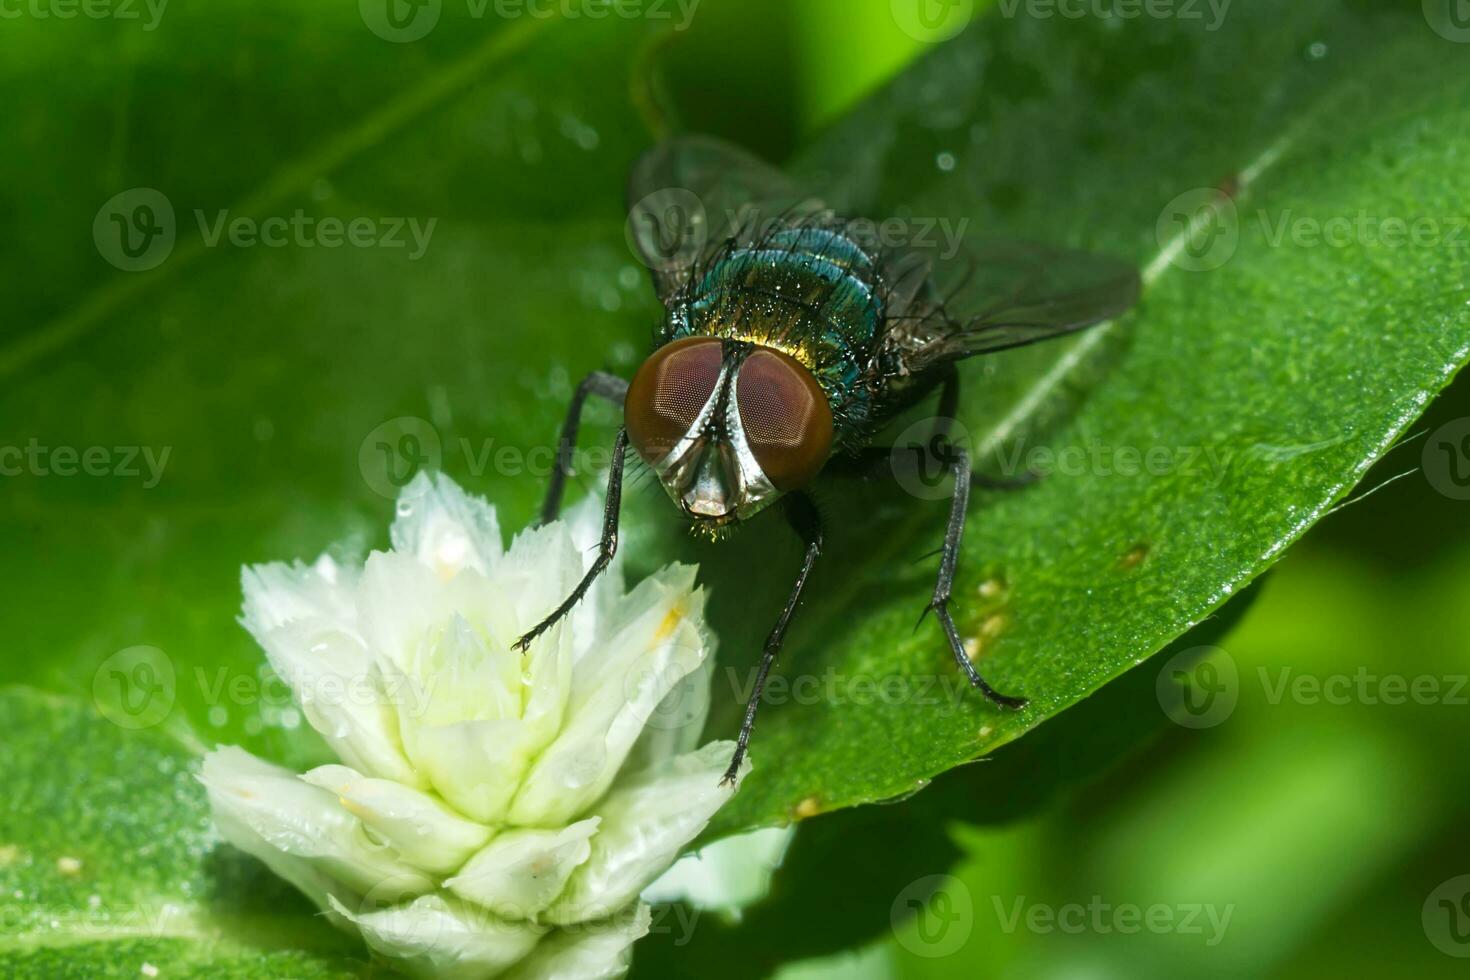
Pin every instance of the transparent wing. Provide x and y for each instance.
(692, 195)
(995, 296)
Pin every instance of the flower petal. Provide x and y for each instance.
(726, 876)
(521, 872)
(423, 831)
(593, 951)
(441, 938)
(300, 830)
(613, 698)
(341, 694)
(676, 724)
(445, 528)
(646, 821)
(474, 765)
(277, 593)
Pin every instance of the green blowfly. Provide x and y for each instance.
(791, 336)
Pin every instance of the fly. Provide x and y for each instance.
(789, 342)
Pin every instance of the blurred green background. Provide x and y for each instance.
(1315, 834)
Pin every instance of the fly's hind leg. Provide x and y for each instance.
(959, 461)
(606, 386)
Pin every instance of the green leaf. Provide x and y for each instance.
(824, 902)
(266, 372)
(108, 867)
(1272, 382)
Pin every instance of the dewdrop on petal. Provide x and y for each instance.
(493, 813)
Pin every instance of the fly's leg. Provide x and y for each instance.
(606, 550)
(959, 463)
(804, 519)
(874, 461)
(607, 386)
(949, 404)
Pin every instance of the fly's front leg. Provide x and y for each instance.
(603, 385)
(804, 519)
(959, 463)
(606, 550)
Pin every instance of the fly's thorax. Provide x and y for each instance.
(727, 425)
(810, 292)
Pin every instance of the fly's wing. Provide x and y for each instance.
(1000, 295)
(692, 196)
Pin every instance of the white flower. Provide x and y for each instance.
(496, 813)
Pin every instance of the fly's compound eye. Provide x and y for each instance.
(786, 418)
(668, 393)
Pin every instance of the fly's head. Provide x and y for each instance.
(728, 426)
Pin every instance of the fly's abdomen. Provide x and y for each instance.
(808, 291)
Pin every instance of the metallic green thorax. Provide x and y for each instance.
(811, 292)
